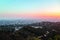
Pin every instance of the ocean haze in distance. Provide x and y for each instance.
(31, 19)
(7, 21)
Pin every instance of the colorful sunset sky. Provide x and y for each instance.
(36, 9)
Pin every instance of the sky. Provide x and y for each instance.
(36, 9)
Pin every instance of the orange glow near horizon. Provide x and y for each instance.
(46, 15)
(36, 15)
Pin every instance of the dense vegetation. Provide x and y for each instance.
(30, 33)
